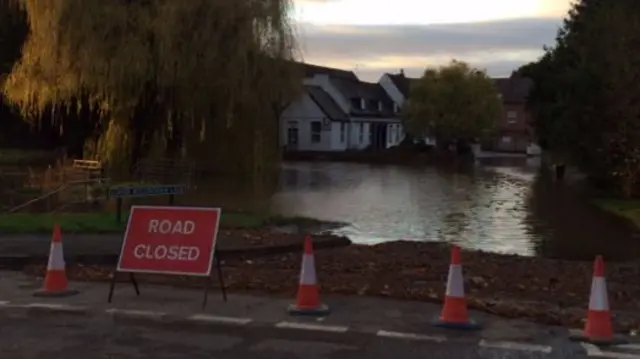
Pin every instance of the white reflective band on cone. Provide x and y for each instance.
(598, 300)
(308, 271)
(56, 258)
(455, 286)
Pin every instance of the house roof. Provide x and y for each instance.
(326, 103)
(513, 89)
(310, 70)
(402, 83)
(357, 89)
(349, 86)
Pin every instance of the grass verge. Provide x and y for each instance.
(105, 223)
(628, 209)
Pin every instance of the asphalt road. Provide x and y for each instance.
(99, 337)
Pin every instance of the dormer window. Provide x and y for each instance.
(357, 103)
(380, 106)
(396, 108)
(373, 105)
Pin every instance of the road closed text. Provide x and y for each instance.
(170, 240)
(160, 252)
(166, 226)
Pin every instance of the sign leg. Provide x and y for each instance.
(119, 209)
(221, 278)
(112, 285)
(135, 284)
(207, 281)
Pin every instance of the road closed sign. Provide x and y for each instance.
(170, 240)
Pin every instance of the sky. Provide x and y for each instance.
(371, 37)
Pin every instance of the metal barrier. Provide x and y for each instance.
(47, 196)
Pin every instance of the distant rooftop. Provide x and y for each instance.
(513, 89)
(310, 70)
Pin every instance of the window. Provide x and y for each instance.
(343, 131)
(506, 139)
(361, 132)
(394, 136)
(373, 104)
(357, 103)
(512, 116)
(316, 130)
(396, 108)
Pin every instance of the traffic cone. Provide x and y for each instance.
(55, 281)
(308, 298)
(598, 328)
(454, 313)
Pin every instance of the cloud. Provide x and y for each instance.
(496, 68)
(304, 2)
(499, 46)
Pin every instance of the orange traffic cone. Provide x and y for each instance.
(454, 313)
(55, 281)
(308, 299)
(598, 329)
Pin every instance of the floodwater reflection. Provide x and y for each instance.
(566, 226)
(492, 207)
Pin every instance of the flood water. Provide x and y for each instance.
(499, 205)
(494, 207)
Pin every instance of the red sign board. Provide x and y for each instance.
(170, 240)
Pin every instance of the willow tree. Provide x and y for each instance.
(204, 79)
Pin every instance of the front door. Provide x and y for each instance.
(378, 136)
(292, 138)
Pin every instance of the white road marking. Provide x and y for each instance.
(136, 313)
(218, 319)
(4, 303)
(411, 336)
(594, 351)
(516, 346)
(591, 349)
(629, 346)
(308, 326)
(55, 306)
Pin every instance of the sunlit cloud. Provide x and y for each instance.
(490, 45)
(375, 36)
(405, 12)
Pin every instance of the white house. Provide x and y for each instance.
(338, 112)
(398, 86)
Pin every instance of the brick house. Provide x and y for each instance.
(514, 132)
